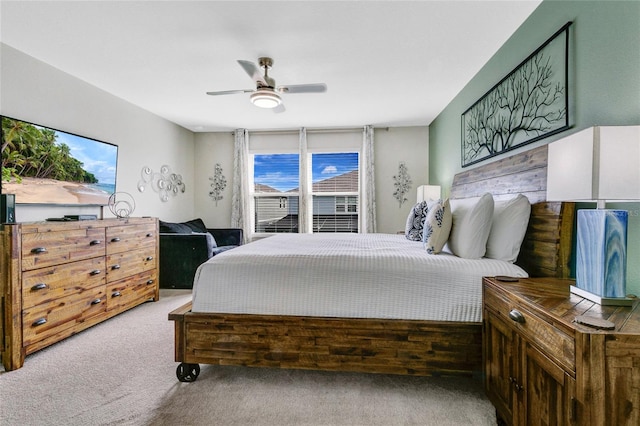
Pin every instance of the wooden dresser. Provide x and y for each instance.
(58, 278)
(541, 367)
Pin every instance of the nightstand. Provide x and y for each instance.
(542, 367)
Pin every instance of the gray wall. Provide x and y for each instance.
(36, 92)
(604, 86)
(408, 144)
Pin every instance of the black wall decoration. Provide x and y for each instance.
(529, 104)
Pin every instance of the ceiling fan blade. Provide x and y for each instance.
(304, 88)
(253, 71)
(280, 108)
(229, 92)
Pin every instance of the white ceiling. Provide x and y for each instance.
(388, 63)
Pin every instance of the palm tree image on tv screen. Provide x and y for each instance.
(41, 165)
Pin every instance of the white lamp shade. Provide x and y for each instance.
(428, 192)
(598, 163)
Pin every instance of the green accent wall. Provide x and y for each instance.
(604, 88)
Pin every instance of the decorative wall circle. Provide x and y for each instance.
(121, 204)
(164, 183)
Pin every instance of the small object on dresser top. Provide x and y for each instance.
(58, 219)
(81, 217)
(507, 279)
(593, 322)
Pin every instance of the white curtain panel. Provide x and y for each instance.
(240, 211)
(304, 219)
(367, 182)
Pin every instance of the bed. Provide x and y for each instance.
(273, 314)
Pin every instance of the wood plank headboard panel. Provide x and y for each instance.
(546, 249)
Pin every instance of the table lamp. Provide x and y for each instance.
(428, 193)
(599, 164)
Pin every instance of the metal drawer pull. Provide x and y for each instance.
(116, 294)
(149, 282)
(116, 266)
(516, 316)
(95, 272)
(149, 235)
(39, 321)
(39, 286)
(515, 384)
(95, 242)
(38, 250)
(115, 239)
(96, 301)
(149, 257)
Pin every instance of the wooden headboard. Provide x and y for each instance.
(546, 249)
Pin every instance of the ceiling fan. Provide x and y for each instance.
(267, 94)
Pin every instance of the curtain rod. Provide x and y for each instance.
(312, 130)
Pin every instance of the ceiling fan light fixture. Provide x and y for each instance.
(265, 98)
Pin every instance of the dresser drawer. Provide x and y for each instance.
(559, 345)
(126, 293)
(131, 237)
(51, 283)
(48, 319)
(121, 265)
(58, 247)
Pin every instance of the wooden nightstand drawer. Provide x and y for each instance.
(530, 341)
(559, 345)
(51, 283)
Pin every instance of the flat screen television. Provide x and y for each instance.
(41, 165)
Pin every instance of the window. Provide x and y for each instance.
(276, 182)
(335, 189)
(317, 172)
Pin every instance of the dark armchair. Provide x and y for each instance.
(185, 246)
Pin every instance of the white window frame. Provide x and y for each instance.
(334, 194)
(253, 194)
(265, 143)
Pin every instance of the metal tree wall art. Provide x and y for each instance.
(219, 183)
(529, 104)
(402, 183)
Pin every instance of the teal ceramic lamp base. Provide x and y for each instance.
(601, 259)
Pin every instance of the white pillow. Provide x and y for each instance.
(471, 225)
(510, 221)
(437, 226)
(415, 221)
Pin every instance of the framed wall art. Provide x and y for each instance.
(529, 104)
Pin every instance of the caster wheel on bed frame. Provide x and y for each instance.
(188, 372)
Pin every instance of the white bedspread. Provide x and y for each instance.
(344, 275)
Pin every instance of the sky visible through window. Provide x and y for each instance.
(281, 171)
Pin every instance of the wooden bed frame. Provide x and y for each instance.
(408, 347)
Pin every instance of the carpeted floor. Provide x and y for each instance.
(122, 372)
